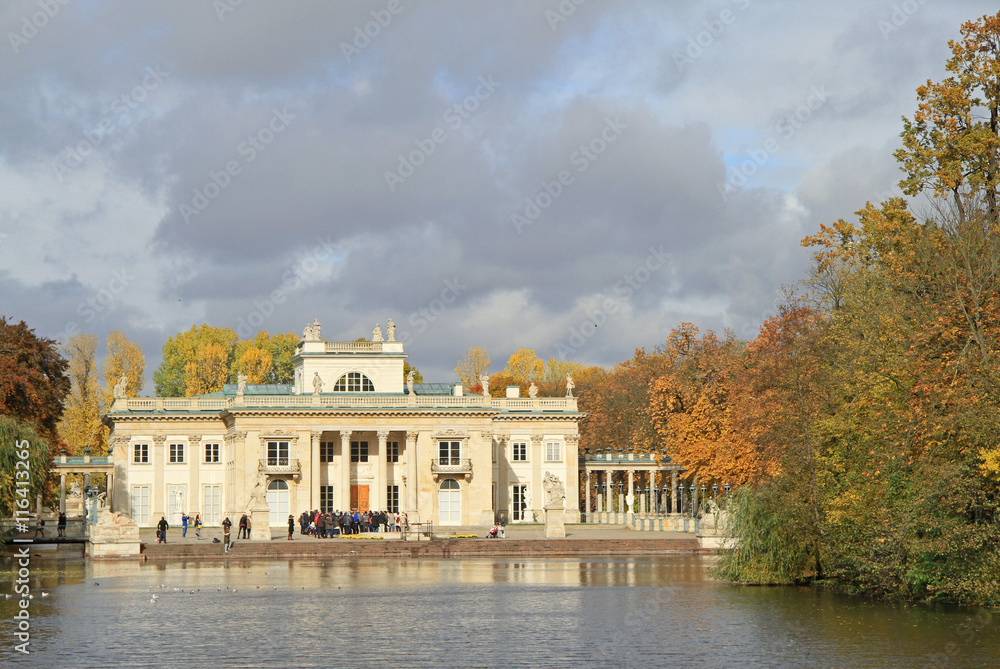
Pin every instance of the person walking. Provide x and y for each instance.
(226, 540)
(291, 526)
(197, 526)
(162, 527)
(61, 527)
(184, 525)
(243, 526)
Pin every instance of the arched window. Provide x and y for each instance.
(354, 382)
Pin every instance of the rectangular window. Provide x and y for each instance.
(140, 453)
(326, 498)
(277, 453)
(553, 451)
(392, 498)
(520, 451)
(326, 451)
(176, 453)
(520, 501)
(359, 451)
(140, 504)
(212, 508)
(392, 451)
(211, 452)
(450, 452)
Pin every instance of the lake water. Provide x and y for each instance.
(659, 612)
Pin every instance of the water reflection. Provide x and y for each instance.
(441, 613)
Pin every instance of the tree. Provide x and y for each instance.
(171, 378)
(417, 376)
(81, 420)
(475, 364)
(20, 443)
(253, 361)
(208, 371)
(524, 366)
(279, 349)
(33, 381)
(952, 144)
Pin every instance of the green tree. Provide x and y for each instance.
(25, 457)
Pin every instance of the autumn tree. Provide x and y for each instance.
(208, 371)
(475, 364)
(524, 366)
(952, 145)
(172, 376)
(81, 420)
(417, 376)
(33, 381)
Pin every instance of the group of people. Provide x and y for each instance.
(326, 525)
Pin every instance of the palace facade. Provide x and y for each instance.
(349, 433)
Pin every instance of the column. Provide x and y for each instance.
(503, 478)
(194, 460)
(608, 496)
(381, 471)
(586, 494)
(412, 481)
(314, 466)
(673, 491)
(631, 492)
(694, 498)
(536, 490)
(62, 493)
(343, 495)
(157, 505)
(572, 457)
(111, 491)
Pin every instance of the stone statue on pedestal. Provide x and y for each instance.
(532, 390)
(485, 380)
(258, 496)
(390, 330)
(409, 382)
(377, 333)
(555, 491)
(569, 385)
(313, 331)
(119, 389)
(241, 383)
(317, 384)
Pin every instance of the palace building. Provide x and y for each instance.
(349, 433)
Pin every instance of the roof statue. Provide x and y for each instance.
(377, 333)
(485, 380)
(313, 331)
(119, 389)
(241, 383)
(390, 330)
(317, 384)
(409, 382)
(532, 390)
(569, 386)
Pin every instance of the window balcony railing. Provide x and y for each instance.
(280, 466)
(451, 466)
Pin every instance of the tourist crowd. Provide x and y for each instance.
(330, 524)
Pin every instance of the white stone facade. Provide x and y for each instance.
(439, 454)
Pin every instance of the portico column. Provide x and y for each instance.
(631, 492)
(344, 494)
(411, 475)
(586, 494)
(503, 480)
(111, 490)
(673, 491)
(609, 497)
(62, 493)
(314, 466)
(380, 471)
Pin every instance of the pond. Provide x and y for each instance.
(641, 612)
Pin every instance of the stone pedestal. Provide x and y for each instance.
(555, 522)
(260, 524)
(113, 536)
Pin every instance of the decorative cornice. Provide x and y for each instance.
(450, 433)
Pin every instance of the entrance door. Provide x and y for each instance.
(359, 498)
(277, 501)
(450, 503)
(175, 504)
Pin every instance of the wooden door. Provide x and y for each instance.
(359, 498)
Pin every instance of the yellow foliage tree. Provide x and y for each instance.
(524, 366)
(124, 358)
(81, 419)
(472, 366)
(255, 362)
(209, 370)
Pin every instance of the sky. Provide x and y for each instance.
(573, 176)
